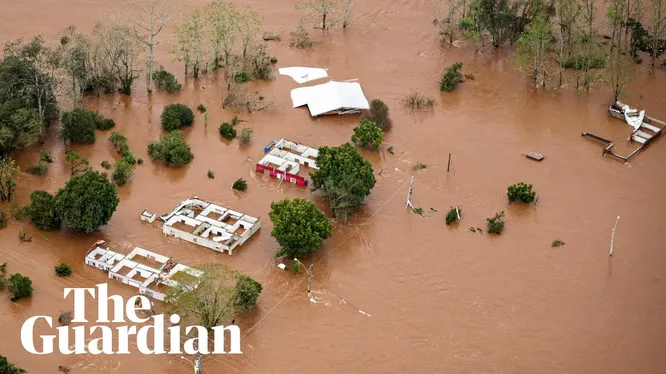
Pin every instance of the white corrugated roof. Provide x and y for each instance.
(330, 96)
(302, 75)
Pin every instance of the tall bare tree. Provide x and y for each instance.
(658, 27)
(533, 49)
(189, 50)
(147, 19)
(221, 19)
(447, 18)
(121, 52)
(327, 9)
(566, 17)
(619, 71)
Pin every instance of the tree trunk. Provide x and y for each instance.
(323, 21)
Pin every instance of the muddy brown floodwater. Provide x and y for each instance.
(441, 299)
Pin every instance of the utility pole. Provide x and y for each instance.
(198, 364)
(311, 271)
(613, 236)
(448, 166)
(409, 194)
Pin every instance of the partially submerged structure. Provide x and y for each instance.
(302, 75)
(646, 129)
(331, 98)
(209, 225)
(283, 160)
(148, 217)
(153, 274)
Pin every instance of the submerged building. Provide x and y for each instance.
(153, 274)
(209, 225)
(284, 158)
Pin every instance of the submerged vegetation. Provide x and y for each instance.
(172, 150)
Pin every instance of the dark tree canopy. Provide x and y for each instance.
(298, 226)
(379, 114)
(172, 150)
(79, 125)
(247, 293)
(87, 201)
(20, 127)
(7, 367)
(176, 116)
(368, 135)
(19, 287)
(42, 210)
(344, 177)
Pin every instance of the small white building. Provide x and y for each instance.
(153, 274)
(209, 225)
(148, 217)
(283, 159)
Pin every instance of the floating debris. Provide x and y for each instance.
(472, 229)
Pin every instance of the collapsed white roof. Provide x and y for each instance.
(330, 96)
(302, 75)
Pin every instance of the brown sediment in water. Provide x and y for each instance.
(441, 299)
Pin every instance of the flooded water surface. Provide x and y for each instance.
(438, 299)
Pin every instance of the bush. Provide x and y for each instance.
(45, 156)
(241, 77)
(42, 211)
(176, 116)
(247, 293)
(521, 192)
(40, 169)
(260, 62)
(300, 38)
(166, 81)
(201, 108)
(557, 243)
(274, 60)
(451, 77)
(140, 161)
(129, 158)
(367, 135)
(63, 369)
(240, 185)
(496, 224)
(19, 286)
(452, 215)
(87, 201)
(119, 141)
(18, 212)
(65, 318)
(379, 114)
(268, 35)
(578, 62)
(7, 367)
(105, 124)
(106, 165)
(121, 173)
(298, 226)
(211, 175)
(24, 237)
(78, 126)
(419, 166)
(417, 100)
(4, 220)
(63, 270)
(227, 131)
(245, 136)
(171, 150)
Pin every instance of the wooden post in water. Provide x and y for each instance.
(613, 236)
(448, 167)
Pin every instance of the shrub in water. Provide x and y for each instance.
(3, 219)
(274, 60)
(166, 81)
(63, 270)
(40, 169)
(241, 77)
(451, 77)
(172, 150)
(496, 224)
(106, 165)
(45, 156)
(176, 116)
(379, 114)
(240, 185)
(245, 136)
(122, 173)
(201, 108)
(367, 135)
(227, 131)
(211, 175)
(521, 192)
(106, 124)
(42, 210)
(452, 215)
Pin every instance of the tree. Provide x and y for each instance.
(447, 13)
(19, 127)
(172, 150)
(344, 177)
(327, 9)
(298, 226)
(78, 164)
(240, 185)
(78, 126)
(619, 72)
(567, 15)
(521, 192)
(227, 131)
(63, 270)
(368, 135)
(87, 201)
(247, 293)
(451, 77)
(495, 225)
(379, 114)
(493, 16)
(19, 287)
(210, 299)
(176, 116)
(9, 175)
(221, 19)
(533, 49)
(588, 46)
(3, 219)
(189, 50)
(146, 23)
(121, 52)
(74, 49)
(615, 15)
(8, 368)
(42, 210)
(658, 22)
(122, 173)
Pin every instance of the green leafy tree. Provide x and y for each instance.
(122, 173)
(379, 114)
(172, 150)
(495, 225)
(9, 175)
(451, 77)
(19, 287)
(368, 135)
(19, 127)
(189, 50)
(78, 126)
(493, 16)
(298, 226)
(42, 210)
(166, 81)
(344, 177)
(176, 116)
(227, 131)
(63, 270)
(533, 49)
(87, 201)
(78, 164)
(7, 367)
(521, 192)
(247, 293)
